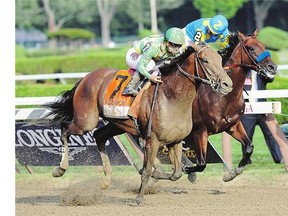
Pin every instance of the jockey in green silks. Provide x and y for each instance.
(146, 52)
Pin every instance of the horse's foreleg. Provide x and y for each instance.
(238, 132)
(158, 172)
(64, 164)
(101, 136)
(150, 153)
(175, 155)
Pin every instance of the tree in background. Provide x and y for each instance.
(28, 14)
(132, 16)
(140, 12)
(261, 9)
(106, 10)
(210, 8)
(52, 26)
(154, 21)
(60, 12)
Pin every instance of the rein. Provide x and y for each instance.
(253, 67)
(191, 75)
(205, 81)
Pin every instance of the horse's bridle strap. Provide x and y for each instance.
(259, 58)
(253, 67)
(190, 75)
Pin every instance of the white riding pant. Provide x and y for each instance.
(133, 58)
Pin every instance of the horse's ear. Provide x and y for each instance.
(256, 33)
(241, 36)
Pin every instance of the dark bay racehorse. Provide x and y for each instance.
(78, 110)
(214, 114)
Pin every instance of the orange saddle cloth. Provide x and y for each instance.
(117, 105)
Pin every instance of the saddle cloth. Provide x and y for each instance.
(117, 105)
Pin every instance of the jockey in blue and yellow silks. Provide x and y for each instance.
(207, 30)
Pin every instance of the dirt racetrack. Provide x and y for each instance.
(38, 195)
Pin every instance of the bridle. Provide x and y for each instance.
(255, 62)
(212, 83)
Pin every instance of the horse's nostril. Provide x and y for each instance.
(271, 67)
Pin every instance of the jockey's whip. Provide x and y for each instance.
(152, 109)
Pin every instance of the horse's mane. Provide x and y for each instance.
(179, 60)
(226, 53)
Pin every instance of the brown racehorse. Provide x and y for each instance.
(78, 110)
(214, 114)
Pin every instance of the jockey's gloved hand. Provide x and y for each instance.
(167, 61)
(155, 79)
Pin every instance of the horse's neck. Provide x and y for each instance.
(179, 89)
(237, 74)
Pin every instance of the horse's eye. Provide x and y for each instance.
(250, 48)
(204, 60)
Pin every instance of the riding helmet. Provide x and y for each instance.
(218, 24)
(175, 35)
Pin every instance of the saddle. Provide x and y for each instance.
(120, 106)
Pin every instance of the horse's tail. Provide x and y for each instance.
(61, 110)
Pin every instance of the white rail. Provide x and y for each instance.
(33, 100)
(283, 93)
(251, 94)
(51, 76)
(82, 74)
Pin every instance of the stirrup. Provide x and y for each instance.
(129, 91)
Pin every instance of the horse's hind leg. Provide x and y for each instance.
(64, 164)
(68, 129)
(101, 135)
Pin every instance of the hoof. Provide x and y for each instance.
(175, 177)
(239, 170)
(105, 184)
(154, 179)
(139, 200)
(58, 172)
(192, 177)
(229, 176)
(141, 171)
(186, 169)
(155, 174)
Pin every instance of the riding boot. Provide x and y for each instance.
(131, 88)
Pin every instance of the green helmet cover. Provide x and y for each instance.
(175, 35)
